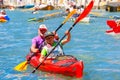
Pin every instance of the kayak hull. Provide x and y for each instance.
(68, 67)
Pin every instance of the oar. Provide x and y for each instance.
(32, 19)
(23, 65)
(111, 23)
(84, 14)
(69, 15)
(41, 19)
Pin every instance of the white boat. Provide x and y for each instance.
(85, 20)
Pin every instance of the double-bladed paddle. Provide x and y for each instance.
(81, 16)
(23, 65)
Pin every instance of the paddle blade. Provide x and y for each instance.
(111, 23)
(69, 15)
(21, 67)
(85, 12)
(32, 19)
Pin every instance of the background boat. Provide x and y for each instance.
(47, 7)
(85, 20)
(29, 6)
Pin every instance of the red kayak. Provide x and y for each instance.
(65, 64)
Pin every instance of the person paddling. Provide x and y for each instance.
(38, 41)
(3, 15)
(50, 43)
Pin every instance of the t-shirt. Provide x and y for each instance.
(57, 51)
(38, 42)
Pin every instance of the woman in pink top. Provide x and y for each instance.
(38, 41)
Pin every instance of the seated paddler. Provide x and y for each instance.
(50, 43)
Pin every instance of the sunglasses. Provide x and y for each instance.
(42, 30)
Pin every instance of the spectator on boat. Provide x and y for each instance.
(3, 15)
(51, 43)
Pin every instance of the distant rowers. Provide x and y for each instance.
(3, 15)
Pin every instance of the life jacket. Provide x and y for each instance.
(56, 52)
(5, 17)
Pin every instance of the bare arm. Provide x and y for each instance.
(41, 58)
(67, 39)
(34, 49)
(56, 35)
(43, 53)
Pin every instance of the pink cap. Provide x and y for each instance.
(42, 26)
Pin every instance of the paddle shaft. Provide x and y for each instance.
(58, 27)
(30, 57)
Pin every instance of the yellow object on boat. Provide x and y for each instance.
(3, 20)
